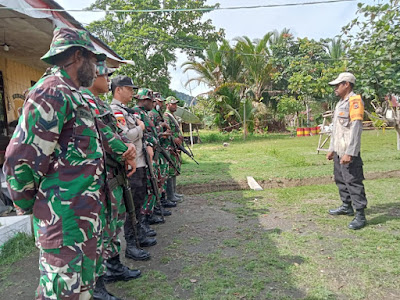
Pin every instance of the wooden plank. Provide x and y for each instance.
(253, 184)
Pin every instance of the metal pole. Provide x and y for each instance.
(191, 135)
(244, 120)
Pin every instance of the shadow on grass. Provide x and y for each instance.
(213, 247)
(387, 211)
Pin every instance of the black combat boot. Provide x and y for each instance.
(116, 271)
(165, 212)
(167, 204)
(146, 226)
(153, 219)
(178, 196)
(133, 252)
(170, 191)
(144, 240)
(344, 209)
(359, 221)
(100, 292)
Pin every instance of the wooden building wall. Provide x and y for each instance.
(17, 78)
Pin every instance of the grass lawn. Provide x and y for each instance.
(279, 156)
(279, 243)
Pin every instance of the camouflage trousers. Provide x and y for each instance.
(151, 199)
(176, 158)
(164, 169)
(69, 272)
(112, 243)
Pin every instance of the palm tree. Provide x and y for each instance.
(336, 49)
(209, 70)
(255, 55)
(222, 71)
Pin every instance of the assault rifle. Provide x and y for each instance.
(122, 179)
(168, 158)
(153, 180)
(181, 147)
(190, 154)
(164, 152)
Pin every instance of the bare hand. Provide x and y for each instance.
(167, 133)
(132, 164)
(329, 156)
(346, 159)
(140, 123)
(178, 141)
(165, 125)
(130, 153)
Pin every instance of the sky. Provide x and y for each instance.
(312, 21)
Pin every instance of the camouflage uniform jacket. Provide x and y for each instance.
(113, 137)
(55, 163)
(156, 118)
(172, 123)
(150, 134)
(112, 142)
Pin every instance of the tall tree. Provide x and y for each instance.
(255, 57)
(374, 52)
(222, 71)
(151, 39)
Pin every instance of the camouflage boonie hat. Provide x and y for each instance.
(64, 38)
(102, 69)
(157, 96)
(144, 94)
(172, 100)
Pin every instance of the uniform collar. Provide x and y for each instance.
(88, 92)
(60, 72)
(115, 101)
(348, 96)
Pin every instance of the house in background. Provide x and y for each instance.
(25, 35)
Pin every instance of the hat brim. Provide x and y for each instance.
(140, 97)
(131, 85)
(49, 56)
(335, 82)
(111, 71)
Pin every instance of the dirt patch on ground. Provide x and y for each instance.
(193, 189)
(195, 230)
(200, 226)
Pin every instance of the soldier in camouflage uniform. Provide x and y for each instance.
(164, 133)
(123, 89)
(150, 138)
(173, 143)
(116, 207)
(55, 168)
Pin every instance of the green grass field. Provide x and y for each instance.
(279, 243)
(279, 156)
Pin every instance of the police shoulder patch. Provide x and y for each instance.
(120, 118)
(356, 108)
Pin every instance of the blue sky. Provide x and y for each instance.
(313, 21)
